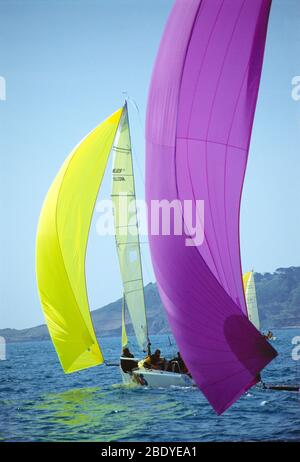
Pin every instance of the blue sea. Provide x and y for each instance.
(39, 403)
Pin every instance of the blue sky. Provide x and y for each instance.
(66, 64)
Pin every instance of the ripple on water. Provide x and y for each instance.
(40, 403)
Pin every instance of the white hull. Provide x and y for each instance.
(156, 378)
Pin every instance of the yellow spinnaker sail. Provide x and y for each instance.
(62, 237)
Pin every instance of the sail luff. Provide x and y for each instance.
(126, 230)
(138, 234)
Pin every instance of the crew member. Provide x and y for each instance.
(126, 353)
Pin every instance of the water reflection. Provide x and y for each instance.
(95, 414)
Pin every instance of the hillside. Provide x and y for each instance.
(278, 296)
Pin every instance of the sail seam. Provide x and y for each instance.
(62, 257)
(206, 140)
(210, 36)
(206, 151)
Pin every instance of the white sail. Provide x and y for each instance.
(126, 230)
(250, 295)
(2, 349)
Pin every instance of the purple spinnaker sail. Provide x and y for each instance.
(199, 119)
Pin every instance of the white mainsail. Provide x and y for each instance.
(126, 230)
(250, 295)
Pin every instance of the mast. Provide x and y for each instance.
(128, 244)
(138, 235)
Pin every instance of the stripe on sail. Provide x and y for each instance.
(200, 113)
(62, 237)
(251, 300)
(126, 230)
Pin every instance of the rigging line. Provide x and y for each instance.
(111, 364)
(134, 104)
(138, 237)
(145, 263)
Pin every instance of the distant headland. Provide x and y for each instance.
(278, 296)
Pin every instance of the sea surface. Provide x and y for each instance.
(39, 403)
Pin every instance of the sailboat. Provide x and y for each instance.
(251, 302)
(200, 113)
(62, 238)
(253, 316)
(129, 255)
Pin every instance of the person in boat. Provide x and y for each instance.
(177, 364)
(269, 335)
(154, 361)
(126, 353)
(127, 361)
